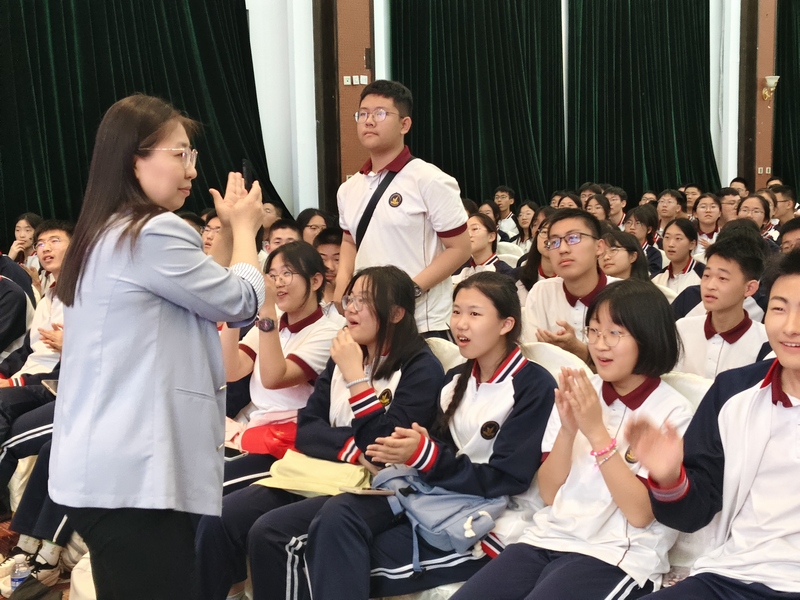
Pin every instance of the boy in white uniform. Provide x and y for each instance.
(738, 462)
(726, 337)
(419, 223)
(555, 310)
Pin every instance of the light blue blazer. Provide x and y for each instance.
(139, 417)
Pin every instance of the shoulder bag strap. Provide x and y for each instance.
(373, 202)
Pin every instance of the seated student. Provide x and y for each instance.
(328, 244)
(726, 337)
(52, 241)
(755, 208)
(570, 201)
(526, 221)
(483, 248)
(642, 222)
(486, 442)
(729, 199)
(284, 357)
(210, 231)
(789, 237)
(504, 197)
(771, 228)
(11, 270)
(282, 232)
(617, 200)
(692, 191)
(738, 461)
(193, 220)
(741, 186)
(272, 212)
(623, 257)
(22, 249)
(536, 265)
(555, 310)
(491, 210)
(680, 240)
(671, 203)
(648, 197)
(689, 302)
(596, 536)
(14, 317)
(598, 205)
(555, 198)
(311, 221)
(707, 211)
(785, 201)
(381, 375)
(586, 191)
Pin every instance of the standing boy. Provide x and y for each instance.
(419, 223)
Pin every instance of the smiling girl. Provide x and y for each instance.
(597, 537)
(707, 211)
(486, 442)
(284, 357)
(680, 240)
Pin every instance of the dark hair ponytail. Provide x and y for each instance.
(502, 292)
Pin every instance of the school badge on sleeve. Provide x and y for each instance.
(385, 397)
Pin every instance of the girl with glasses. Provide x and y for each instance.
(381, 375)
(311, 221)
(536, 265)
(525, 219)
(282, 358)
(642, 222)
(707, 211)
(623, 257)
(597, 535)
(486, 442)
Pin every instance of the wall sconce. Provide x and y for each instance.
(768, 92)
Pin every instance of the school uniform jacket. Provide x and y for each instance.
(335, 426)
(493, 445)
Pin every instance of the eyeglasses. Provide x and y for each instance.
(210, 230)
(729, 203)
(705, 207)
(188, 155)
(379, 114)
(285, 276)
(53, 241)
(572, 239)
(756, 212)
(633, 223)
(543, 232)
(354, 303)
(611, 337)
(667, 202)
(477, 228)
(612, 251)
(503, 197)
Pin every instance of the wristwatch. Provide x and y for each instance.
(265, 325)
(417, 291)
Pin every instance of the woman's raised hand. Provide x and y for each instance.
(239, 207)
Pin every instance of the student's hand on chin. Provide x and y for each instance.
(659, 450)
(348, 356)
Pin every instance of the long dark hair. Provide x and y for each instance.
(529, 272)
(306, 262)
(502, 292)
(390, 288)
(113, 192)
(628, 242)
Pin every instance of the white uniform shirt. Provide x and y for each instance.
(707, 353)
(307, 343)
(548, 302)
(680, 281)
(420, 206)
(583, 517)
(508, 226)
(42, 359)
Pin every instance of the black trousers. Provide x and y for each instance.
(138, 553)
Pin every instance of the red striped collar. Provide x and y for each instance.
(689, 266)
(489, 261)
(774, 378)
(732, 335)
(588, 298)
(508, 368)
(542, 274)
(711, 234)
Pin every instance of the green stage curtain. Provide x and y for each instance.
(786, 141)
(64, 63)
(486, 76)
(638, 108)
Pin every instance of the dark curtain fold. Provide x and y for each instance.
(786, 140)
(638, 94)
(486, 76)
(64, 63)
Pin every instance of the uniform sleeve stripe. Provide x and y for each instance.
(350, 452)
(671, 494)
(365, 403)
(425, 455)
(16, 381)
(492, 545)
(453, 232)
(310, 373)
(248, 350)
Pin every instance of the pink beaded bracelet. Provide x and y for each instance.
(611, 446)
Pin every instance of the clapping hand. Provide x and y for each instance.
(660, 451)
